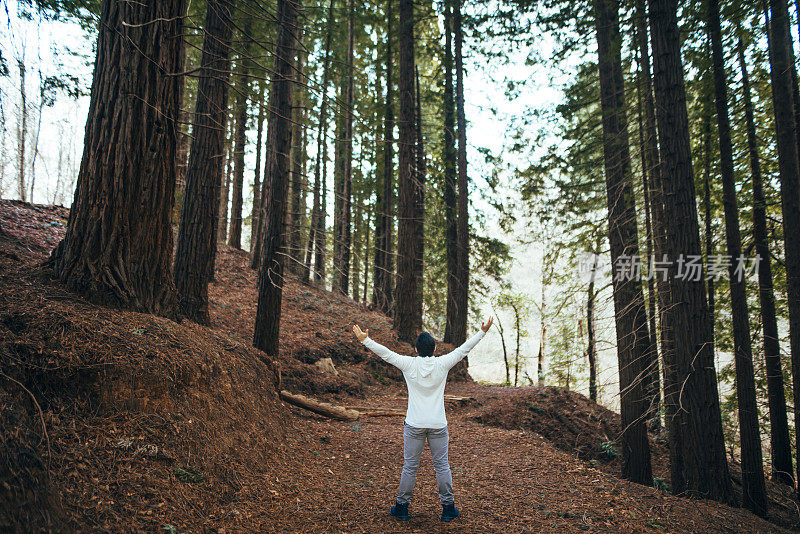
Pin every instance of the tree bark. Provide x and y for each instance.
(22, 133)
(591, 348)
(254, 215)
(316, 236)
(543, 320)
(380, 221)
(709, 232)
(781, 63)
(654, 198)
(419, 208)
(653, 380)
(296, 186)
(321, 235)
(780, 443)
(516, 354)
(347, 191)
(367, 244)
(344, 170)
(225, 192)
(449, 161)
(462, 229)
(383, 278)
(222, 180)
(118, 245)
(700, 445)
(505, 350)
(196, 242)
(406, 321)
(357, 229)
(270, 274)
(634, 350)
(754, 493)
(339, 170)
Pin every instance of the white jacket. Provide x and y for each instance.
(425, 378)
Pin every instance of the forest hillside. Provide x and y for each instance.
(121, 421)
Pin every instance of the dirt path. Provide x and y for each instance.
(504, 481)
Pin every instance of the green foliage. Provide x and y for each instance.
(188, 474)
(610, 449)
(85, 12)
(661, 485)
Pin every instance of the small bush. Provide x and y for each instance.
(610, 449)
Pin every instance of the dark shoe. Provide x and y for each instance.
(400, 511)
(449, 512)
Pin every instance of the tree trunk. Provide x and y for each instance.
(222, 182)
(449, 161)
(22, 132)
(224, 197)
(118, 246)
(419, 209)
(357, 233)
(698, 423)
(709, 232)
(279, 133)
(780, 443)
(505, 351)
(781, 62)
(36, 135)
(516, 354)
(406, 321)
(240, 139)
(653, 380)
(383, 278)
(339, 169)
(316, 237)
(380, 221)
(654, 199)
(634, 350)
(591, 348)
(321, 235)
(754, 493)
(254, 214)
(201, 196)
(344, 168)
(462, 229)
(543, 335)
(296, 186)
(367, 245)
(348, 159)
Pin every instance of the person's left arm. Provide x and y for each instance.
(452, 358)
(389, 356)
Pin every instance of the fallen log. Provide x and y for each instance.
(381, 413)
(322, 408)
(375, 411)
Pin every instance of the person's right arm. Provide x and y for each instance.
(401, 362)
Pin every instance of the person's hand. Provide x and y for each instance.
(359, 334)
(487, 325)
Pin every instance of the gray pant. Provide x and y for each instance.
(413, 443)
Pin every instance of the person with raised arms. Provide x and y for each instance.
(425, 377)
